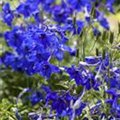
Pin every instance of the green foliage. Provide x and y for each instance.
(7, 110)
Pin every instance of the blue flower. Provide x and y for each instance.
(37, 17)
(59, 105)
(61, 12)
(118, 108)
(75, 4)
(104, 23)
(46, 69)
(111, 91)
(83, 77)
(14, 37)
(96, 32)
(79, 111)
(7, 14)
(36, 97)
(109, 4)
(102, 20)
(60, 101)
(75, 29)
(93, 59)
(59, 55)
(10, 60)
(114, 82)
(75, 74)
(73, 52)
(33, 1)
(28, 8)
(80, 25)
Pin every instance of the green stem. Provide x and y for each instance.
(84, 44)
(109, 76)
(83, 49)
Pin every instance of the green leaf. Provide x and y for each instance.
(79, 89)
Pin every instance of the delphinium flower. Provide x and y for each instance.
(61, 102)
(102, 20)
(35, 97)
(101, 65)
(14, 37)
(47, 5)
(96, 32)
(36, 44)
(34, 48)
(109, 5)
(86, 7)
(83, 77)
(7, 14)
(10, 59)
(114, 104)
(109, 75)
(58, 102)
(75, 29)
(61, 12)
(46, 69)
(28, 8)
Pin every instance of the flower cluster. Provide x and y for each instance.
(39, 45)
(33, 48)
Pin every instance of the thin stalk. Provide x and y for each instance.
(109, 76)
(84, 49)
(84, 44)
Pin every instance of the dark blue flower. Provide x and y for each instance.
(14, 37)
(46, 69)
(75, 29)
(79, 111)
(28, 8)
(36, 97)
(61, 12)
(118, 110)
(10, 60)
(75, 4)
(37, 17)
(114, 82)
(109, 4)
(80, 25)
(75, 74)
(59, 105)
(93, 59)
(111, 91)
(33, 1)
(73, 52)
(102, 20)
(7, 14)
(96, 32)
(59, 55)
